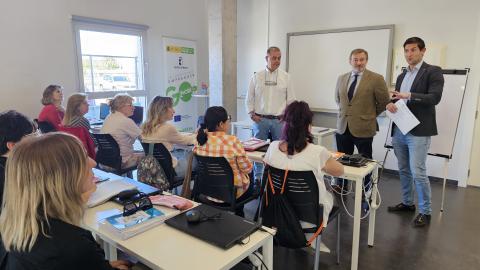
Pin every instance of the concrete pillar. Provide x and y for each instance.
(222, 46)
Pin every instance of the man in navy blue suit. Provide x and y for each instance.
(421, 86)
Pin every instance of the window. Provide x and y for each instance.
(110, 60)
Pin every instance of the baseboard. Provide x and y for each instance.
(434, 179)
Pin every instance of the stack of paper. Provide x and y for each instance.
(253, 144)
(403, 118)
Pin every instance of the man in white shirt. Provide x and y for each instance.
(269, 92)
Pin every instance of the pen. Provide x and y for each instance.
(101, 180)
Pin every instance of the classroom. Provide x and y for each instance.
(205, 54)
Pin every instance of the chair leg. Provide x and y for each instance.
(338, 238)
(317, 252)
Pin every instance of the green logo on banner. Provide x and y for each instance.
(184, 93)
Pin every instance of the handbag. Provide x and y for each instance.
(150, 172)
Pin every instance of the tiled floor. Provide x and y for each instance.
(452, 241)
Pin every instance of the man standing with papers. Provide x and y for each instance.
(421, 87)
(361, 95)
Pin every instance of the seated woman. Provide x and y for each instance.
(157, 130)
(49, 181)
(13, 127)
(213, 141)
(77, 107)
(52, 111)
(122, 128)
(295, 151)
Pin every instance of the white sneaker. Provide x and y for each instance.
(324, 248)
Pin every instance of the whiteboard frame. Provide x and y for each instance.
(390, 27)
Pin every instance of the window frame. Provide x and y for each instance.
(98, 25)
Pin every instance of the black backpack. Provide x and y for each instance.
(278, 213)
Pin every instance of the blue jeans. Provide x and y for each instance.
(261, 130)
(266, 126)
(411, 152)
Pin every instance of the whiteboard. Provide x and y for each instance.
(447, 113)
(316, 59)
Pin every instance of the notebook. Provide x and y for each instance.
(103, 177)
(108, 189)
(224, 232)
(253, 144)
(129, 226)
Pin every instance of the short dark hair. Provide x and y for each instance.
(297, 118)
(13, 126)
(272, 48)
(213, 116)
(357, 51)
(415, 40)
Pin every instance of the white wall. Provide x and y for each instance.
(442, 22)
(474, 178)
(37, 44)
(251, 46)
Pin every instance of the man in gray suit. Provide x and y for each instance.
(361, 95)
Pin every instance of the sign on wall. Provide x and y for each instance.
(181, 80)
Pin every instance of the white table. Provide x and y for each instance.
(164, 247)
(321, 136)
(357, 175)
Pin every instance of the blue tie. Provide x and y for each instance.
(351, 90)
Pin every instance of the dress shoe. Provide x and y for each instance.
(401, 208)
(421, 220)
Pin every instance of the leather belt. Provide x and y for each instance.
(267, 116)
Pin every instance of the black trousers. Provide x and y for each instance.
(346, 143)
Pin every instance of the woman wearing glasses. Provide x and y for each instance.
(123, 129)
(76, 124)
(49, 180)
(157, 130)
(213, 141)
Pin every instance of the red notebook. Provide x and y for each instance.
(253, 144)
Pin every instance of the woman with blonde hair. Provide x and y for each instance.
(77, 107)
(157, 129)
(49, 180)
(52, 111)
(122, 128)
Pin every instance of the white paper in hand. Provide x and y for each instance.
(107, 190)
(403, 118)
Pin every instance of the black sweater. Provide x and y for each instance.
(3, 160)
(68, 247)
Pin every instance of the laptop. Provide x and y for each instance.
(223, 232)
